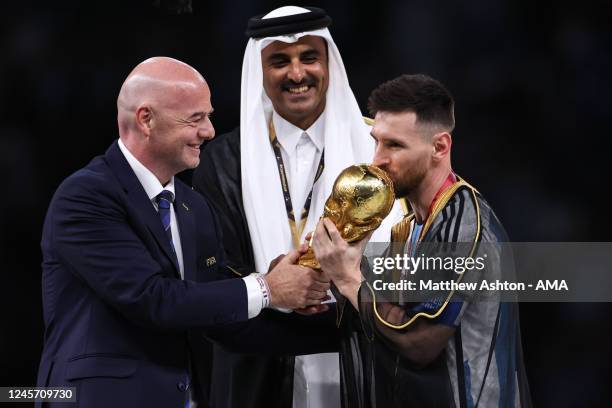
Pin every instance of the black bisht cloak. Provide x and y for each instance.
(375, 373)
(239, 381)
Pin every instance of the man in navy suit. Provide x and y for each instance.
(132, 259)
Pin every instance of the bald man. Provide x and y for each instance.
(132, 262)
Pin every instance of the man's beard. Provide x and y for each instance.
(409, 181)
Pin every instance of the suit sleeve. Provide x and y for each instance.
(93, 235)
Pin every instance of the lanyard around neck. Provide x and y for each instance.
(296, 228)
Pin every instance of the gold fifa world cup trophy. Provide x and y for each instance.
(361, 198)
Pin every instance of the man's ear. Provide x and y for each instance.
(442, 143)
(144, 119)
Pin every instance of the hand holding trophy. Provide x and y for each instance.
(362, 196)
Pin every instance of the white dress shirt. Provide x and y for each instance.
(301, 151)
(315, 376)
(153, 187)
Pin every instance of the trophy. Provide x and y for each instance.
(361, 198)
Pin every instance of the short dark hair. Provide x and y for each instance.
(421, 94)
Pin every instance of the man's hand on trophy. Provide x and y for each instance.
(275, 262)
(302, 250)
(339, 259)
(296, 287)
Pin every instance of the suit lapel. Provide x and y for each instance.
(186, 224)
(140, 201)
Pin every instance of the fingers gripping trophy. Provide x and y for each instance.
(361, 198)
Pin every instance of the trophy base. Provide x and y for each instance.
(308, 260)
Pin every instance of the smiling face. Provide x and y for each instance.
(180, 125)
(163, 111)
(296, 77)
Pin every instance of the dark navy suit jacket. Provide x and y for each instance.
(120, 324)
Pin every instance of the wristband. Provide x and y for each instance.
(265, 291)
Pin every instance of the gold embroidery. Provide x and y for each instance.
(441, 203)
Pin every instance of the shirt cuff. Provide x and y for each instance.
(257, 294)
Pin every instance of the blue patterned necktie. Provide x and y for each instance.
(164, 204)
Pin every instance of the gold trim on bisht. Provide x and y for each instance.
(401, 230)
